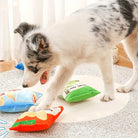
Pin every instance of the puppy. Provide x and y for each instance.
(88, 35)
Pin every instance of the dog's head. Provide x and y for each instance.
(36, 54)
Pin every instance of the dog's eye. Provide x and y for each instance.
(33, 69)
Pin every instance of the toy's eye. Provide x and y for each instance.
(33, 69)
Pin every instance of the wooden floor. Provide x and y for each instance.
(5, 66)
(123, 58)
(123, 61)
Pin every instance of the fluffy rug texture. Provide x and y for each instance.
(90, 118)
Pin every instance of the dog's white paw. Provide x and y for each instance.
(39, 107)
(41, 104)
(124, 89)
(107, 98)
(32, 109)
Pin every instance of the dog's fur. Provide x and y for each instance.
(88, 35)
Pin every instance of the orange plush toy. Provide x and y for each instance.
(36, 121)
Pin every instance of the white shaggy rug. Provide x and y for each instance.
(90, 118)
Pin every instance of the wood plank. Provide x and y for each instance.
(7, 65)
(123, 58)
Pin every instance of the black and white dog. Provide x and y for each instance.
(88, 35)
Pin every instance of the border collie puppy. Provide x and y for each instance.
(88, 35)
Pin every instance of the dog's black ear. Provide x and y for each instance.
(24, 28)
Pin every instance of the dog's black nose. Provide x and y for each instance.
(25, 85)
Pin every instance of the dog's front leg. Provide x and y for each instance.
(56, 84)
(106, 69)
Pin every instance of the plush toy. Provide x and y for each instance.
(76, 91)
(36, 121)
(20, 66)
(18, 100)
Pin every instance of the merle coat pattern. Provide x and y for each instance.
(88, 35)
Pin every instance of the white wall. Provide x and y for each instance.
(42, 12)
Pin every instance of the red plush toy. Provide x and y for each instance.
(36, 121)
